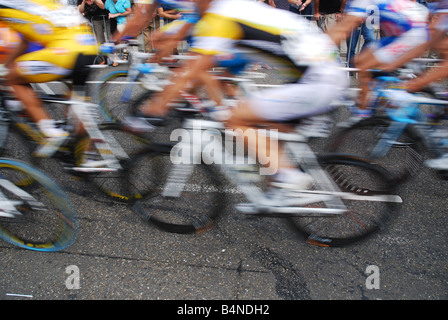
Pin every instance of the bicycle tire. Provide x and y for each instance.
(118, 184)
(114, 96)
(405, 157)
(353, 175)
(51, 226)
(196, 209)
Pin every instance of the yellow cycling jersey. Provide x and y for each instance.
(45, 21)
(230, 23)
(60, 34)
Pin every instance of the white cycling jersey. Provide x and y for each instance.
(228, 23)
(284, 39)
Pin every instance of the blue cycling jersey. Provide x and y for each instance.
(394, 16)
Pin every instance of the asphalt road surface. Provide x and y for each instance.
(117, 255)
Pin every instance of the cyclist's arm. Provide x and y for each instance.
(342, 29)
(143, 15)
(169, 41)
(436, 74)
(18, 51)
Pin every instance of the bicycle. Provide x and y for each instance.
(117, 88)
(406, 129)
(35, 213)
(345, 205)
(111, 144)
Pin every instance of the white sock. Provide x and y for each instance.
(49, 129)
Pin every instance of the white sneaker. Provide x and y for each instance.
(292, 179)
(439, 163)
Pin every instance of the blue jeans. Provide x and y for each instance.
(369, 37)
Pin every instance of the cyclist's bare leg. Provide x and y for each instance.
(434, 74)
(244, 118)
(27, 96)
(193, 70)
(211, 85)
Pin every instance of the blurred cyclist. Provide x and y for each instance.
(404, 26)
(438, 42)
(167, 38)
(56, 43)
(300, 50)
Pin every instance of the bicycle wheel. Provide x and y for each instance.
(178, 110)
(404, 157)
(179, 198)
(364, 216)
(115, 95)
(35, 213)
(115, 183)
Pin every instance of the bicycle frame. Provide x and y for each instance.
(404, 114)
(140, 72)
(107, 147)
(300, 153)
